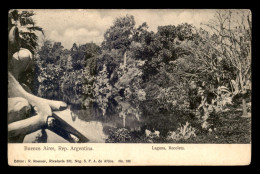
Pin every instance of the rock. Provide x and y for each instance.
(18, 109)
(147, 132)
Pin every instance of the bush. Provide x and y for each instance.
(120, 135)
(183, 132)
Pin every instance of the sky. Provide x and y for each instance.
(88, 25)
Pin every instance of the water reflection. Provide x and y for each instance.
(93, 130)
(96, 130)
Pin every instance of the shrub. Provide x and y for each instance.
(217, 105)
(183, 132)
(120, 135)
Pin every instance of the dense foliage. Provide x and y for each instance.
(174, 83)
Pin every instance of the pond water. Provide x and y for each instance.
(96, 131)
(93, 130)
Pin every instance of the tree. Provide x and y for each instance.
(49, 70)
(232, 42)
(80, 54)
(57, 52)
(164, 47)
(26, 26)
(120, 35)
(91, 50)
(23, 34)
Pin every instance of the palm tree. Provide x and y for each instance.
(23, 29)
(22, 33)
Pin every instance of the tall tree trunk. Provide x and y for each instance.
(125, 58)
(124, 116)
(124, 121)
(244, 107)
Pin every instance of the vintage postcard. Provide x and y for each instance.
(129, 87)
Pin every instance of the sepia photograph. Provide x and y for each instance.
(129, 76)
